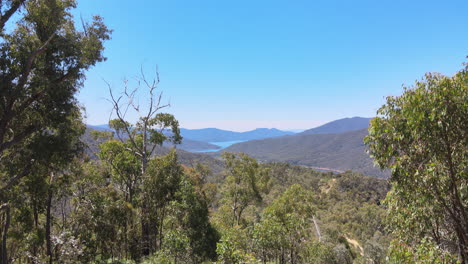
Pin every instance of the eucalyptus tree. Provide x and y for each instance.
(151, 127)
(43, 58)
(140, 139)
(179, 212)
(422, 136)
(31, 202)
(245, 184)
(286, 226)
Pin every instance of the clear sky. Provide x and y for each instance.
(290, 64)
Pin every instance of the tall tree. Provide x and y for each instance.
(179, 214)
(142, 137)
(43, 58)
(42, 65)
(245, 184)
(31, 202)
(286, 226)
(422, 136)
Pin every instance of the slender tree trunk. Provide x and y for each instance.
(48, 227)
(161, 228)
(291, 255)
(145, 227)
(462, 246)
(49, 220)
(63, 208)
(4, 250)
(282, 259)
(459, 214)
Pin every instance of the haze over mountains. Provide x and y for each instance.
(337, 145)
(340, 151)
(199, 139)
(219, 135)
(187, 144)
(340, 126)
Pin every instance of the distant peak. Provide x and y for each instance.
(265, 129)
(341, 125)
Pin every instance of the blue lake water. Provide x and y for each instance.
(222, 144)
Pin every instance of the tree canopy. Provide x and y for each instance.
(42, 63)
(43, 59)
(422, 136)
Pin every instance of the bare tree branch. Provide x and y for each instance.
(16, 178)
(116, 107)
(24, 77)
(4, 206)
(16, 4)
(18, 138)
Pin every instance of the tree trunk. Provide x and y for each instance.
(462, 246)
(48, 227)
(145, 227)
(145, 230)
(4, 250)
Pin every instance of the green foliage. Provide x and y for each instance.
(286, 225)
(180, 210)
(425, 252)
(245, 183)
(422, 136)
(43, 58)
(317, 252)
(339, 151)
(99, 214)
(344, 205)
(106, 135)
(232, 249)
(131, 206)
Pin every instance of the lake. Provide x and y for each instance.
(222, 144)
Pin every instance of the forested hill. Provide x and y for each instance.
(340, 126)
(193, 145)
(188, 159)
(341, 151)
(187, 144)
(218, 135)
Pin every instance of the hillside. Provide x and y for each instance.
(340, 126)
(186, 158)
(343, 151)
(193, 145)
(187, 144)
(103, 127)
(219, 135)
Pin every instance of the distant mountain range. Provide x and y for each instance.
(186, 158)
(198, 139)
(335, 146)
(340, 149)
(104, 127)
(187, 144)
(218, 135)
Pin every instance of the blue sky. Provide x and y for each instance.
(293, 64)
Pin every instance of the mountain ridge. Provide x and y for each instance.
(338, 151)
(337, 145)
(187, 144)
(340, 126)
(220, 135)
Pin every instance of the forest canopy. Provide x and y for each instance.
(72, 195)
